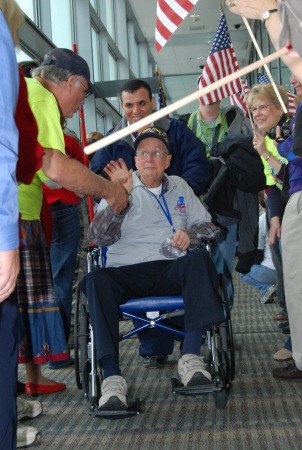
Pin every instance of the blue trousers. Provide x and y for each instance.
(223, 256)
(260, 277)
(8, 372)
(159, 342)
(63, 255)
(193, 276)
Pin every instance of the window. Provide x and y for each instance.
(29, 8)
(96, 55)
(110, 17)
(94, 4)
(100, 125)
(113, 68)
(61, 15)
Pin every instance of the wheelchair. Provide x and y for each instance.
(151, 312)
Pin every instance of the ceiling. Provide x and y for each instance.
(187, 49)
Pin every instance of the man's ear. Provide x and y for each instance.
(153, 103)
(71, 81)
(168, 161)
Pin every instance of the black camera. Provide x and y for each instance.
(285, 131)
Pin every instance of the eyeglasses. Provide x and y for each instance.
(157, 154)
(86, 90)
(261, 108)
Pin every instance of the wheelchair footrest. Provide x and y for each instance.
(134, 409)
(179, 388)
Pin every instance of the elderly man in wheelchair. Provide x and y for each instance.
(152, 251)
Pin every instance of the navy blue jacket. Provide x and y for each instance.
(188, 161)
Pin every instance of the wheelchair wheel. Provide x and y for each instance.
(231, 351)
(221, 399)
(219, 366)
(220, 380)
(88, 379)
(81, 337)
(228, 342)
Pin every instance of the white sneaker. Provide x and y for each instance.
(26, 436)
(283, 355)
(114, 391)
(269, 296)
(193, 370)
(28, 409)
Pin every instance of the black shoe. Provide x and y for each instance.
(283, 324)
(285, 330)
(154, 361)
(288, 373)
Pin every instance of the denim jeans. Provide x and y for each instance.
(63, 255)
(260, 277)
(223, 256)
(288, 344)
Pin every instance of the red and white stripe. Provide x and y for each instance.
(291, 103)
(239, 99)
(169, 15)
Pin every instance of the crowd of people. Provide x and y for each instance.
(150, 187)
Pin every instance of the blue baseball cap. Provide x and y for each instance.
(154, 132)
(64, 58)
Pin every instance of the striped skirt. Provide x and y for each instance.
(40, 327)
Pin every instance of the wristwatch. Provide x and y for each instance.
(267, 14)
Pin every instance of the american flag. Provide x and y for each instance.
(169, 15)
(221, 61)
(263, 78)
(239, 99)
(161, 95)
(291, 97)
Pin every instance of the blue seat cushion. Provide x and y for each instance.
(145, 304)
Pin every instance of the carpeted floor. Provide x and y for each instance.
(262, 413)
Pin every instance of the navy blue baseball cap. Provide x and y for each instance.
(153, 132)
(64, 58)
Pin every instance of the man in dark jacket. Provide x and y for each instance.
(188, 161)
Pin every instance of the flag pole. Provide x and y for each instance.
(245, 99)
(265, 65)
(120, 134)
(84, 144)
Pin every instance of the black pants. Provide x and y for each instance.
(193, 276)
(8, 373)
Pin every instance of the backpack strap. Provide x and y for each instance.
(216, 134)
(194, 124)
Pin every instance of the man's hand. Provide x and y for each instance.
(180, 240)
(115, 170)
(117, 199)
(9, 269)
(275, 230)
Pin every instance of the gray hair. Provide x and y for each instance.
(52, 73)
